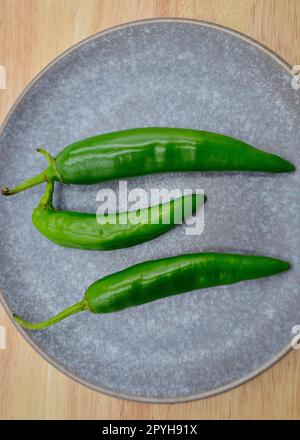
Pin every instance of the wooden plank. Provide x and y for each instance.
(32, 33)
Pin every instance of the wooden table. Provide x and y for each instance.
(32, 33)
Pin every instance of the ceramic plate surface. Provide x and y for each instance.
(174, 73)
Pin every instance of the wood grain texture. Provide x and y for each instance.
(32, 33)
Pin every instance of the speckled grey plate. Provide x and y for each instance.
(159, 73)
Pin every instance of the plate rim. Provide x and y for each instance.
(106, 391)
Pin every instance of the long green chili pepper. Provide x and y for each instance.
(114, 231)
(153, 280)
(143, 151)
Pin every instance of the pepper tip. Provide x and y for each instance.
(289, 167)
(293, 168)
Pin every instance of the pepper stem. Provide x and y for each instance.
(49, 174)
(75, 308)
(46, 200)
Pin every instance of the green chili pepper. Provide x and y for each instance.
(113, 231)
(153, 280)
(143, 151)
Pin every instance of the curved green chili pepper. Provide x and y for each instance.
(143, 151)
(153, 280)
(114, 231)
